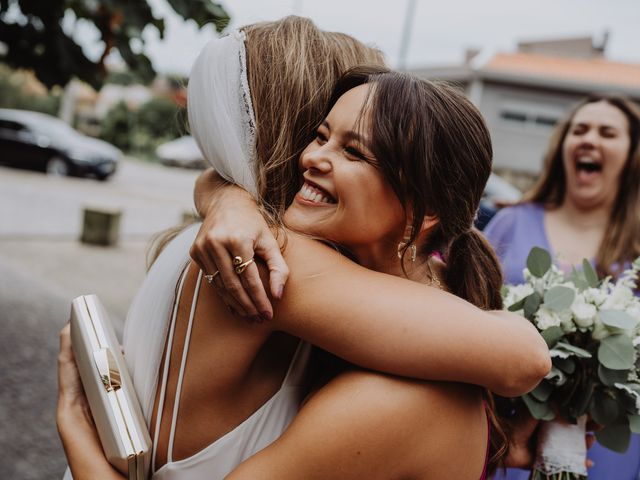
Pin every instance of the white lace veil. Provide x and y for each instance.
(222, 122)
(220, 110)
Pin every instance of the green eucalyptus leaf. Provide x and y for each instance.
(581, 399)
(567, 365)
(577, 351)
(578, 280)
(538, 262)
(531, 304)
(610, 377)
(615, 437)
(538, 410)
(617, 319)
(552, 335)
(604, 409)
(634, 423)
(616, 352)
(519, 305)
(589, 273)
(559, 298)
(543, 391)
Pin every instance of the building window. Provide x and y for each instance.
(528, 118)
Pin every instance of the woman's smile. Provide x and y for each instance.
(313, 194)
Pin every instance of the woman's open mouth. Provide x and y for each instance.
(587, 168)
(315, 194)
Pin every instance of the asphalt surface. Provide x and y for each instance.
(43, 266)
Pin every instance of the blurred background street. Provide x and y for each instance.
(43, 266)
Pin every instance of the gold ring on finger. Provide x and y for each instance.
(242, 267)
(238, 260)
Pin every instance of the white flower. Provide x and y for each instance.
(600, 331)
(566, 321)
(546, 318)
(618, 299)
(515, 293)
(596, 296)
(584, 313)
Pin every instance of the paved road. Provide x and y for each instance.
(152, 197)
(43, 266)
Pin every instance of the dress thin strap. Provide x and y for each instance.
(176, 404)
(165, 370)
(296, 373)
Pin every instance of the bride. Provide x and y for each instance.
(233, 370)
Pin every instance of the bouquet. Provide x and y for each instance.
(592, 328)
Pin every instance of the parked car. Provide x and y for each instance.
(37, 141)
(181, 152)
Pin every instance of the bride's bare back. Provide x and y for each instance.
(232, 368)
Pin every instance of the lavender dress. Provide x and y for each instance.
(513, 232)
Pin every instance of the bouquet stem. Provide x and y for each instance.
(562, 452)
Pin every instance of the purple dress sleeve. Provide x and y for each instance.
(512, 233)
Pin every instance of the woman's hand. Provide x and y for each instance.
(232, 226)
(522, 441)
(70, 391)
(75, 423)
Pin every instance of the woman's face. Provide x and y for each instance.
(344, 197)
(595, 150)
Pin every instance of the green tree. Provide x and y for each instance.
(117, 126)
(13, 93)
(140, 131)
(34, 38)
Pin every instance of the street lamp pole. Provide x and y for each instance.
(406, 34)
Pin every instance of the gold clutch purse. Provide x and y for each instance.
(114, 405)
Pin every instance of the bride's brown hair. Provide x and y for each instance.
(433, 147)
(292, 68)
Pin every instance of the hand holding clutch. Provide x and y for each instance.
(114, 405)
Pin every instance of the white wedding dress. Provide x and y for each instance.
(224, 128)
(146, 330)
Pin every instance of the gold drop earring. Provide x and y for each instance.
(402, 246)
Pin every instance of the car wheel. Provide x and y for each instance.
(57, 167)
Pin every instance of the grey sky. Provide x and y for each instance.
(442, 29)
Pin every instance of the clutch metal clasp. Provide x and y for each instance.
(108, 369)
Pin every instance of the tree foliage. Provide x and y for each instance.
(15, 93)
(141, 130)
(35, 39)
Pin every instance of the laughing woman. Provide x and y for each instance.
(585, 205)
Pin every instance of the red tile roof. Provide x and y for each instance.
(594, 70)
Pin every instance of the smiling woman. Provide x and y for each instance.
(342, 185)
(585, 205)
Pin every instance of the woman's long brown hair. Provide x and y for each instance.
(433, 147)
(621, 240)
(292, 69)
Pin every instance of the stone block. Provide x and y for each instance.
(100, 226)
